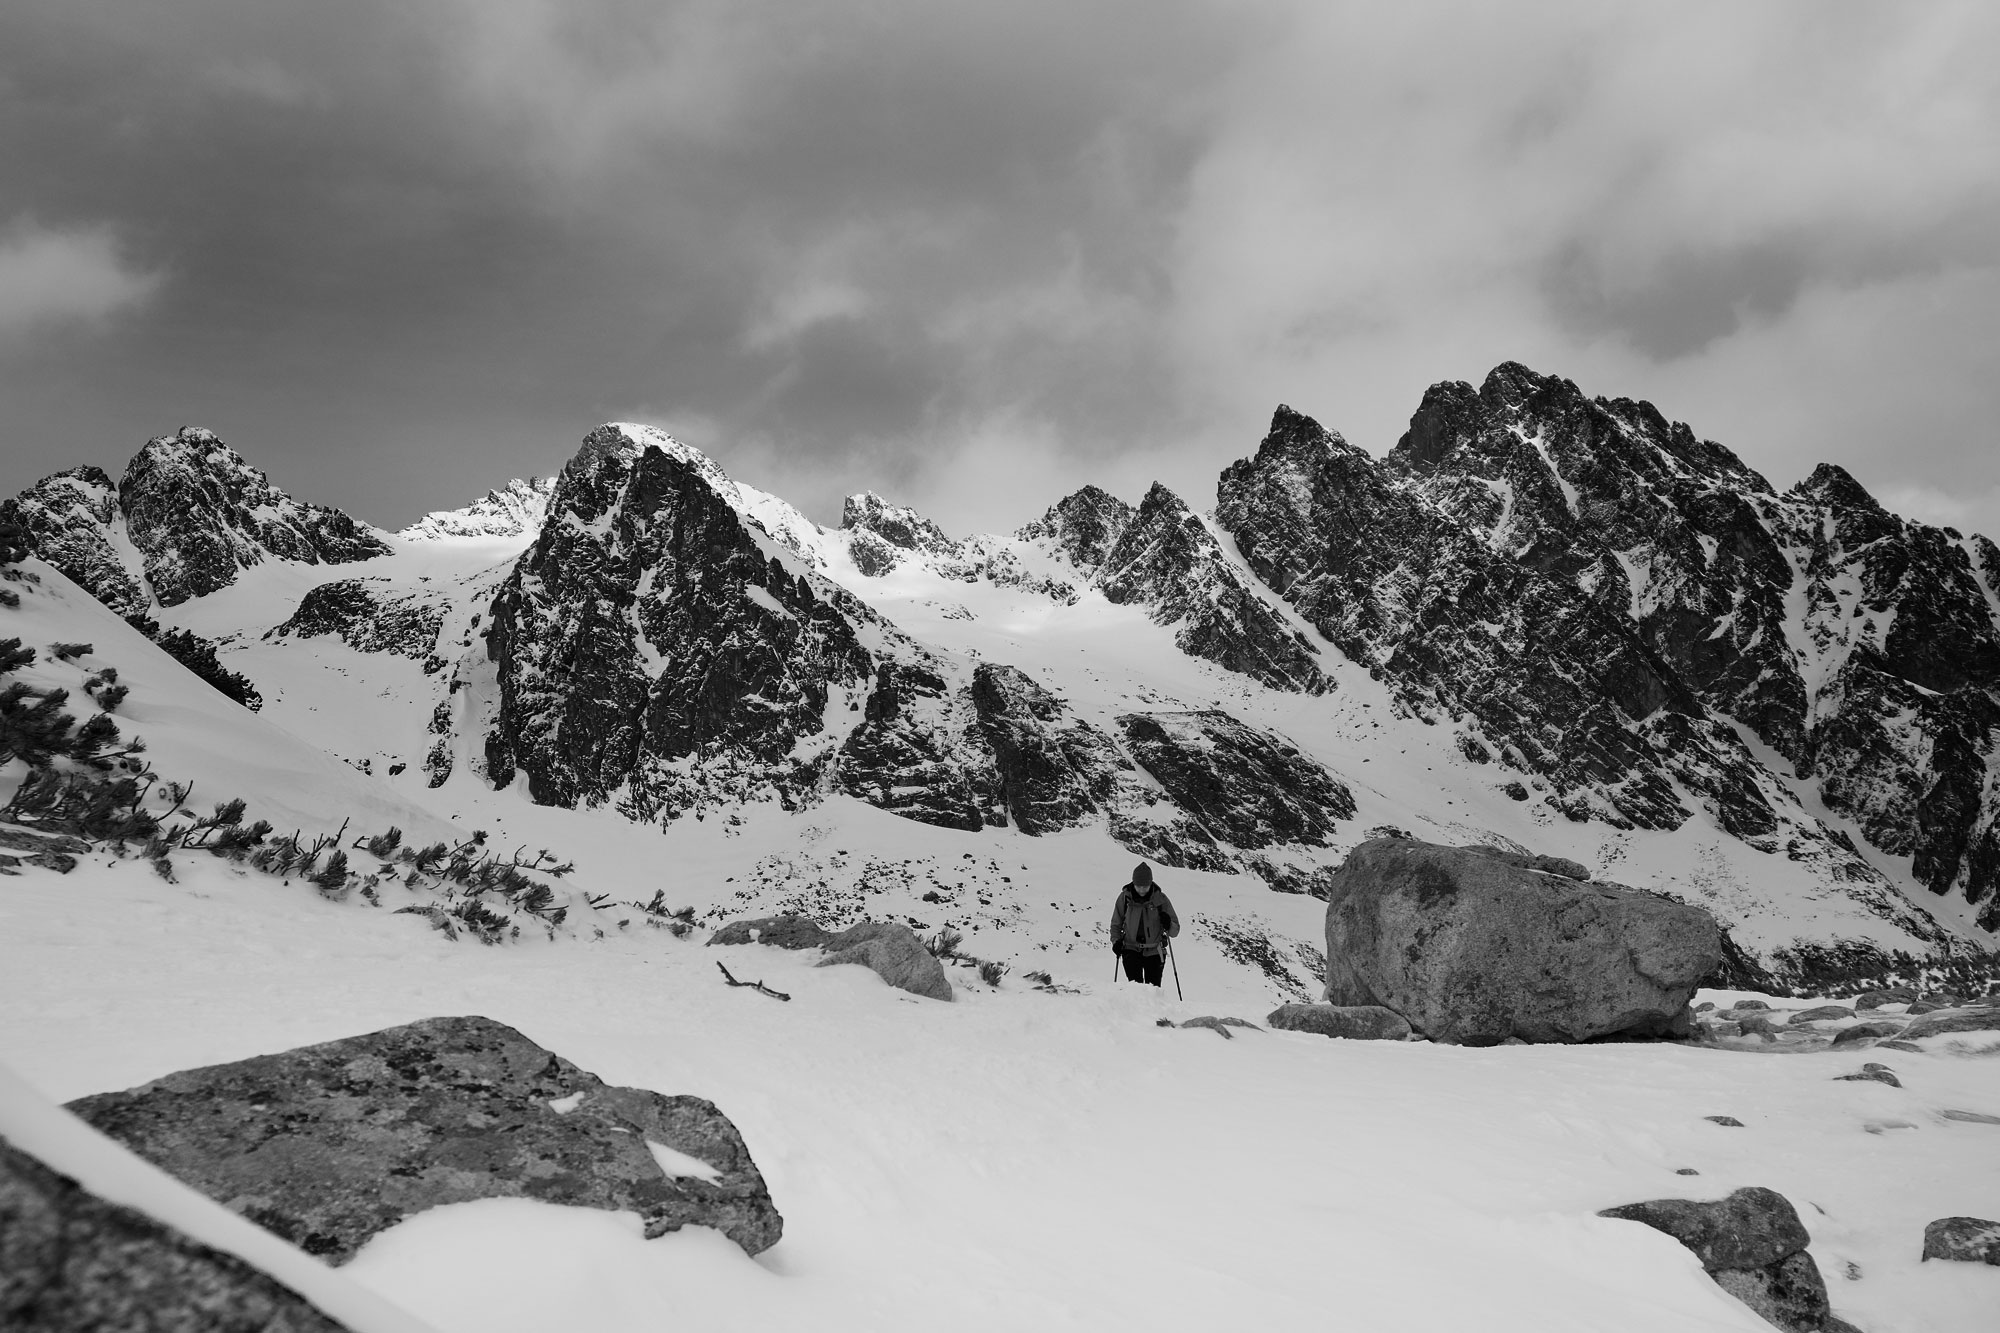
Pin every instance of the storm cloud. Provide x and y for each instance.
(973, 256)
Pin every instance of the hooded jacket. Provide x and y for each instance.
(1143, 924)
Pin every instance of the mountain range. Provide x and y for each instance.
(1542, 620)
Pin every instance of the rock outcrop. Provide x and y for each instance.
(1473, 950)
(1246, 789)
(1055, 770)
(1754, 1246)
(71, 518)
(1083, 527)
(187, 518)
(71, 1262)
(653, 642)
(1167, 560)
(921, 751)
(1974, 1240)
(370, 615)
(890, 950)
(515, 510)
(1531, 564)
(1354, 1022)
(328, 1145)
(200, 515)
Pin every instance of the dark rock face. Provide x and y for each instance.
(1055, 770)
(1413, 595)
(919, 752)
(1083, 526)
(1754, 1246)
(1966, 1239)
(1540, 564)
(1470, 949)
(653, 637)
(370, 616)
(895, 531)
(1167, 561)
(1354, 1022)
(71, 1262)
(197, 514)
(1243, 788)
(1248, 787)
(328, 1145)
(200, 515)
(69, 519)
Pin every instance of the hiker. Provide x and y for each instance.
(1141, 924)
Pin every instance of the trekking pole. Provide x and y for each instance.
(1177, 970)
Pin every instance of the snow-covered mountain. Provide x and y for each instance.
(1542, 620)
(186, 519)
(515, 510)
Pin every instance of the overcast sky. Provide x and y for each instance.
(971, 257)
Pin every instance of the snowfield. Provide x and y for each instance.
(1021, 1158)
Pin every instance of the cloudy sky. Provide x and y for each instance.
(971, 256)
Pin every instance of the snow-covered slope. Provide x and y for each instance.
(996, 1163)
(192, 733)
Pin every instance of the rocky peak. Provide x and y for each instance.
(1298, 438)
(514, 510)
(1083, 526)
(628, 440)
(1167, 560)
(897, 524)
(1448, 415)
(655, 644)
(70, 518)
(1832, 486)
(199, 515)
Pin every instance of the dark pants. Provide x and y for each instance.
(1145, 967)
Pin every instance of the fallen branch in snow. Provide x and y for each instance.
(753, 985)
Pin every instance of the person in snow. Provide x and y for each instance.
(1141, 924)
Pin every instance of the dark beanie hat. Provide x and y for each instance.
(1143, 875)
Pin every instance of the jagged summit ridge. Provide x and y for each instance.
(1573, 601)
(1673, 594)
(190, 516)
(514, 510)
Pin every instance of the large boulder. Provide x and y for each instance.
(328, 1145)
(1952, 1020)
(1754, 1246)
(1356, 1022)
(1472, 949)
(1872, 1029)
(894, 953)
(71, 1262)
(1973, 1240)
